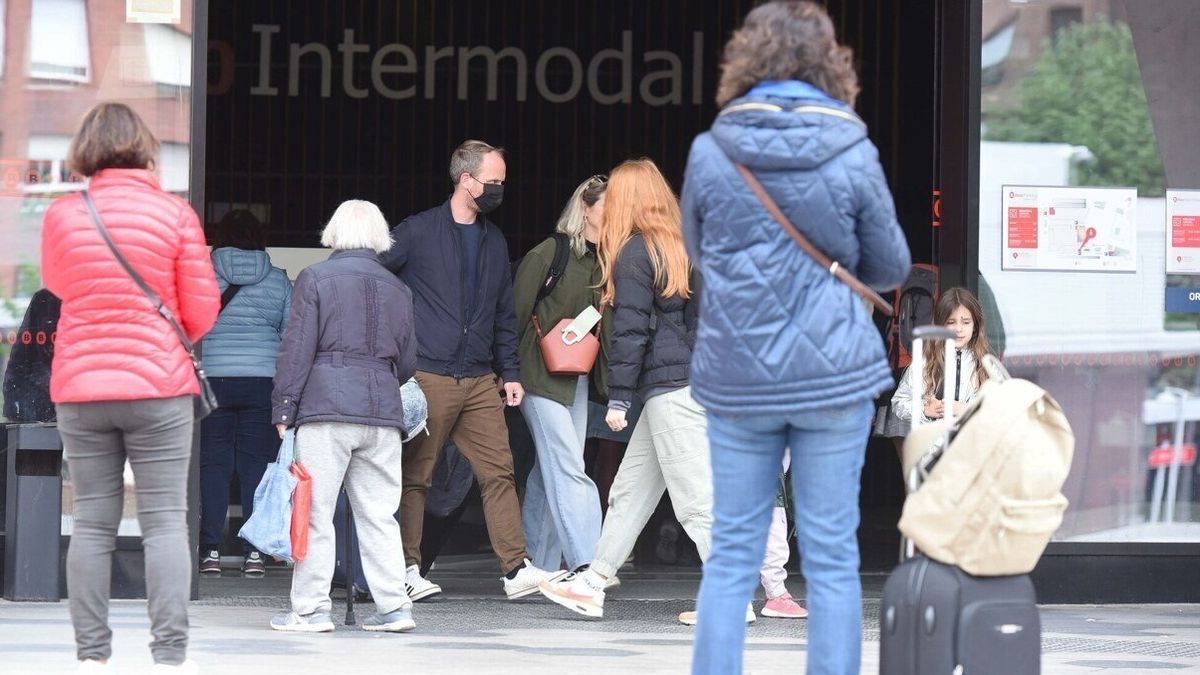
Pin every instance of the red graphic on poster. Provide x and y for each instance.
(1164, 455)
(1022, 227)
(1185, 231)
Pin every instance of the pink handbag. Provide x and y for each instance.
(566, 352)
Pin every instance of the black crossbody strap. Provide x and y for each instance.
(562, 250)
(230, 291)
(149, 292)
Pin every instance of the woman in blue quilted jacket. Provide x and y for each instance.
(239, 358)
(787, 354)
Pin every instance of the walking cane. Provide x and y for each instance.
(348, 544)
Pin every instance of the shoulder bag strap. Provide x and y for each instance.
(823, 260)
(562, 249)
(150, 294)
(230, 291)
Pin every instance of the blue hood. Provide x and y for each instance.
(752, 131)
(237, 266)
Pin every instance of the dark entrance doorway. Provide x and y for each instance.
(312, 103)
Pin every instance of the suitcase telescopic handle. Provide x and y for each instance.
(921, 335)
(932, 333)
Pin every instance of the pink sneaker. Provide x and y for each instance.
(784, 607)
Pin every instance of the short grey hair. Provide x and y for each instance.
(357, 224)
(468, 157)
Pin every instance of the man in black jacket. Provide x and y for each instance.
(456, 263)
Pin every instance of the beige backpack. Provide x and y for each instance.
(991, 500)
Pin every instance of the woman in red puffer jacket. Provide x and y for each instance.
(121, 380)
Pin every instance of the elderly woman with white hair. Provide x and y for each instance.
(348, 346)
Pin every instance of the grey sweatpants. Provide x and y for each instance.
(367, 459)
(155, 435)
(668, 451)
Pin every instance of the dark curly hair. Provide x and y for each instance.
(787, 40)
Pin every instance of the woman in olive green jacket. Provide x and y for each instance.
(561, 513)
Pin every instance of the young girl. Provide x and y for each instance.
(959, 311)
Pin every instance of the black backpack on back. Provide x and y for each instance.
(562, 249)
(913, 308)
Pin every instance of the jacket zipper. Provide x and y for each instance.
(462, 273)
(957, 373)
(470, 293)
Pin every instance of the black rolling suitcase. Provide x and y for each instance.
(936, 619)
(348, 559)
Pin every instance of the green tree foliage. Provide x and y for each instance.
(1086, 90)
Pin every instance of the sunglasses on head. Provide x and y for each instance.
(598, 179)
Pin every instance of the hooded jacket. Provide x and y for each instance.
(245, 340)
(778, 334)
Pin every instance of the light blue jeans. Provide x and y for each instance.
(827, 449)
(561, 513)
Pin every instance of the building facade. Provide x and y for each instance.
(974, 105)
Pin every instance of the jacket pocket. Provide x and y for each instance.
(1012, 537)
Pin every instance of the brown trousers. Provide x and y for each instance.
(469, 412)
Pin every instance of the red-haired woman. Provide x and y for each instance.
(648, 281)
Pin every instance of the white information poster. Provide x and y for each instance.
(153, 11)
(1069, 228)
(1183, 231)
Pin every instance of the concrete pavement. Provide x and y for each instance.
(472, 628)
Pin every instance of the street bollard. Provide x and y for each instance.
(33, 512)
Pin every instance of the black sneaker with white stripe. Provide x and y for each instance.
(210, 562)
(253, 565)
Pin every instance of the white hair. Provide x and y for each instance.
(357, 224)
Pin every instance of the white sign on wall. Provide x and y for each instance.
(153, 11)
(1069, 228)
(1183, 231)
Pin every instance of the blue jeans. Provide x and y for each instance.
(827, 449)
(561, 513)
(237, 436)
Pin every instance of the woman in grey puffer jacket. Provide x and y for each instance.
(239, 358)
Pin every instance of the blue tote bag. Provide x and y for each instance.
(269, 528)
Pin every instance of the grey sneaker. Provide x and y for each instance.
(399, 621)
(317, 622)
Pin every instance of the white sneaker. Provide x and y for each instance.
(612, 582)
(583, 593)
(189, 667)
(94, 666)
(317, 622)
(689, 618)
(419, 587)
(527, 580)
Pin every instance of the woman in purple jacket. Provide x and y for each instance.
(348, 346)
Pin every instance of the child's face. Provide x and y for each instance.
(963, 325)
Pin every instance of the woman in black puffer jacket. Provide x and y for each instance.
(649, 285)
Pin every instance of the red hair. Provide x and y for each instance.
(638, 200)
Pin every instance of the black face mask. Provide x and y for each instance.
(490, 199)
